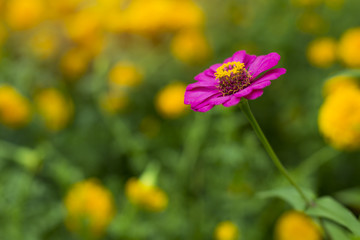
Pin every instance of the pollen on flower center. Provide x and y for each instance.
(232, 77)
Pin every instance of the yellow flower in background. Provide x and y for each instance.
(322, 52)
(337, 83)
(59, 8)
(114, 21)
(185, 14)
(109, 3)
(190, 46)
(146, 195)
(339, 118)
(24, 14)
(112, 14)
(94, 45)
(226, 230)
(14, 108)
(75, 62)
(169, 101)
(294, 225)
(54, 107)
(156, 16)
(114, 101)
(83, 25)
(349, 48)
(125, 74)
(90, 208)
(44, 43)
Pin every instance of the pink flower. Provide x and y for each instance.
(238, 77)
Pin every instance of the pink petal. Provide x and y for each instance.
(204, 77)
(200, 95)
(197, 91)
(209, 101)
(242, 56)
(230, 59)
(232, 101)
(263, 63)
(197, 97)
(202, 109)
(214, 67)
(200, 85)
(260, 85)
(209, 73)
(243, 92)
(220, 100)
(271, 75)
(254, 94)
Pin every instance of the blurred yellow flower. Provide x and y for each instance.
(54, 107)
(114, 21)
(44, 43)
(14, 108)
(111, 14)
(109, 3)
(59, 8)
(337, 83)
(24, 14)
(83, 25)
(190, 46)
(294, 225)
(226, 230)
(339, 118)
(322, 52)
(113, 101)
(75, 62)
(94, 45)
(169, 101)
(146, 195)
(185, 14)
(85, 28)
(90, 208)
(156, 16)
(125, 74)
(349, 48)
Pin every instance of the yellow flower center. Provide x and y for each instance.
(232, 77)
(227, 69)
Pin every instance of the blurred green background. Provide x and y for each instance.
(93, 89)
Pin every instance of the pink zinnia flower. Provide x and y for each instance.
(238, 77)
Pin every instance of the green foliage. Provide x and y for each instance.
(289, 195)
(336, 231)
(212, 166)
(328, 208)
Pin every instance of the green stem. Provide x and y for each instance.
(246, 109)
